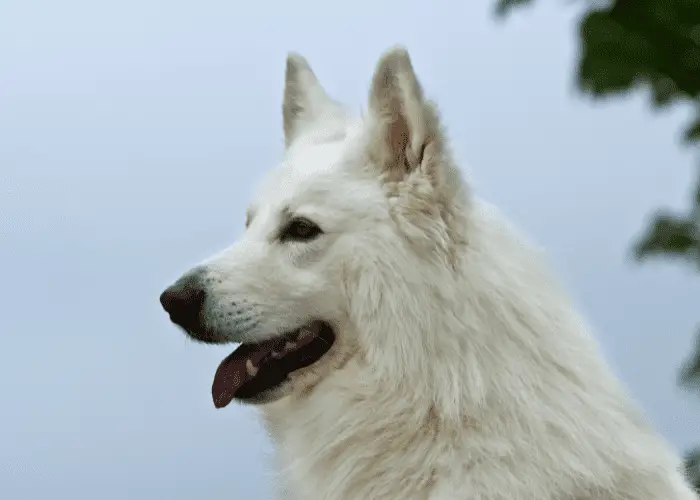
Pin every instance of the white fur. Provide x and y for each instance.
(460, 371)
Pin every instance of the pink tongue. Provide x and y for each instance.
(230, 375)
(232, 372)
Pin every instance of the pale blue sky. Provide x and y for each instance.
(131, 134)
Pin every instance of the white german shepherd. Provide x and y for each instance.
(400, 339)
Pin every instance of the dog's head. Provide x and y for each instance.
(342, 244)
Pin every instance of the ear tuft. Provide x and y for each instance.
(305, 101)
(406, 124)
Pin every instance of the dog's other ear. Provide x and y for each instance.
(305, 101)
(406, 132)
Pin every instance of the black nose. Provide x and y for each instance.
(183, 301)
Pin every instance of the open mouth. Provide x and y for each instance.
(254, 369)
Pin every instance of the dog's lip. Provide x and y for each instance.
(242, 365)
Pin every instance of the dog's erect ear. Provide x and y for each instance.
(406, 130)
(305, 101)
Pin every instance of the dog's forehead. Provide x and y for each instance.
(305, 173)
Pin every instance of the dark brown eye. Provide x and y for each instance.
(300, 230)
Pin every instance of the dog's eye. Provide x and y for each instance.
(300, 230)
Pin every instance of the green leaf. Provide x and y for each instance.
(612, 60)
(692, 134)
(690, 372)
(669, 235)
(503, 7)
(655, 43)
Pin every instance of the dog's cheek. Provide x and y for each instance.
(363, 291)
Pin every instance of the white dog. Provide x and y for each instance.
(401, 340)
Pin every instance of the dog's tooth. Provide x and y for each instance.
(250, 368)
(305, 332)
(290, 345)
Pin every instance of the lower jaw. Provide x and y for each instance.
(265, 397)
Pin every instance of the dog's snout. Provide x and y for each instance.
(184, 300)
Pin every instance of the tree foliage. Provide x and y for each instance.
(632, 45)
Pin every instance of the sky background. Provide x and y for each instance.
(131, 134)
